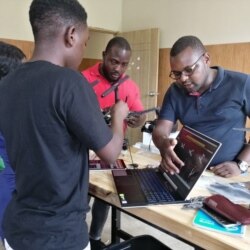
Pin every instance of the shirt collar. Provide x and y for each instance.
(218, 78)
(216, 82)
(95, 70)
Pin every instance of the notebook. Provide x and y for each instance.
(203, 220)
(153, 186)
(101, 165)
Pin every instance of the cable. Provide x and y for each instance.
(134, 165)
(149, 145)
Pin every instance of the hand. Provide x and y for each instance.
(226, 169)
(135, 121)
(120, 110)
(170, 160)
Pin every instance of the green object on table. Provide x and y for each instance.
(2, 166)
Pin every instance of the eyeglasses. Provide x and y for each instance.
(187, 71)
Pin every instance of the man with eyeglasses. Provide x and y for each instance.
(211, 100)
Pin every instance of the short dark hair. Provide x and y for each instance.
(48, 16)
(119, 42)
(10, 58)
(187, 41)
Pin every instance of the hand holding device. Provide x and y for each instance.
(138, 113)
(134, 121)
(120, 109)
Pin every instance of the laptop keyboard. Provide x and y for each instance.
(153, 189)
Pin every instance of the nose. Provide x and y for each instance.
(183, 78)
(119, 68)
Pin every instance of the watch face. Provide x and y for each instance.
(243, 166)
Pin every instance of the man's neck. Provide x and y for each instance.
(211, 76)
(210, 79)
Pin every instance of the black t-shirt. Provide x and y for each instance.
(50, 117)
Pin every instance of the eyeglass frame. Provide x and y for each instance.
(192, 67)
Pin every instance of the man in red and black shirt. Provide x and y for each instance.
(110, 73)
(110, 84)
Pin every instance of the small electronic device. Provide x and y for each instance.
(107, 114)
(223, 221)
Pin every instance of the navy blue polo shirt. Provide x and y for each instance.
(224, 106)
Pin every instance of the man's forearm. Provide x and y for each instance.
(244, 155)
(159, 139)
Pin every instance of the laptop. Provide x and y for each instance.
(154, 186)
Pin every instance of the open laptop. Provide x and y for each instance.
(196, 150)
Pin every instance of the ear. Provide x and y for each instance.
(207, 58)
(70, 36)
(103, 54)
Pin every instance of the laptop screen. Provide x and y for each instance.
(196, 151)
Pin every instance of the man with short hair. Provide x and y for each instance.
(103, 77)
(51, 120)
(211, 100)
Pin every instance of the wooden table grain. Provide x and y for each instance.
(169, 218)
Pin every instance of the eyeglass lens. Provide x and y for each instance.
(187, 71)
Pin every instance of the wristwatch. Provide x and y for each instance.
(243, 165)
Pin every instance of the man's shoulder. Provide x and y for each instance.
(62, 79)
(129, 81)
(62, 74)
(91, 71)
(47, 69)
(233, 74)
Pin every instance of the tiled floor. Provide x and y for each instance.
(139, 228)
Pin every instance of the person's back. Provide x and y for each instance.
(52, 119)
(52, 154)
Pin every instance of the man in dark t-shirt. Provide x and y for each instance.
(51, 119)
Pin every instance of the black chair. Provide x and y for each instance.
(145, 242)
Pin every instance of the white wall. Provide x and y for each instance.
(106, 14)
(14, 20)
(213, 21)
(96, 44)
(14, 17)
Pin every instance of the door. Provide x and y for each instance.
(143, 69)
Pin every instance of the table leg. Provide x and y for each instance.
(115, 224)
(116, 232)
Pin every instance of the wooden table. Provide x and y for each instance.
(171, 219)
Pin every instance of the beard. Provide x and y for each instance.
(112, 76)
